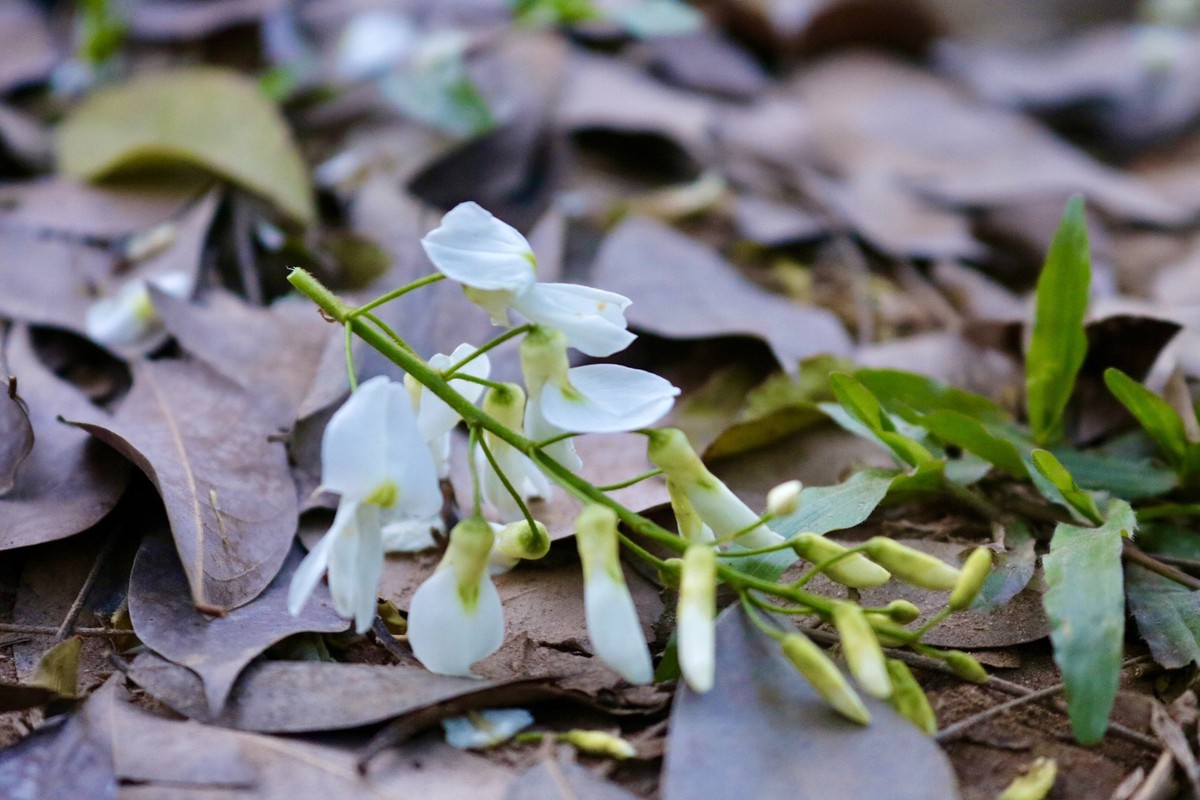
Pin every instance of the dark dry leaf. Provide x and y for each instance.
(68, 482)
(763, 732)
(204, 442)
(57, 293)
(176, 20)
(216, 649)
(77, 210)
(705, 61)
(1167, 615)
(305, 696)
(66, 761)
(563, 780)
(709, 297)
(29, 52)
(16, 431)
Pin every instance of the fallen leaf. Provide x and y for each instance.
(335, 696)
(29, 52)
(68, 482)
(762, 731)
(216, 649)
(200, 117)
(1167, 616)
(705, 61)
(710, 298)
(62, 206)
(182, 20)
(204, 443)
(563, 780)
(16, 431)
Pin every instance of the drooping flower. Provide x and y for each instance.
(710, 499)
(497, 268)
(374, 456)
(598, 398)
(127, 317)
(435, 417)
(506, 404)
(612, 620)
(455, 617)
(697, 607)
(516, 542)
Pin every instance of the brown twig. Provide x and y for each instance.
(68, 623)
(51, 630)
(1136, 555)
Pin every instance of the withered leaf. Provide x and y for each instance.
(186, 19)
(216, 649)
(709, 298)
(16, 432)
(63, 206)
(563, 780)
(204, 443)
(29, 52)
(762, 731)
(332, 696)
(68, 482)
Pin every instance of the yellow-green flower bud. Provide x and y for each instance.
(518, 540)
(1035, 784)
(784, 499)
(911, 565)
(694, 617)
(964, 666)
(852, 570)
(902, 611)
(691, 527)
(506, 404)
(909, 698)
(970, 582)
(670, 451)
(864, 656)
(820, 671)
(670, 573)
(467, 554)
(544, 358)
(596, 537)
(598, 743)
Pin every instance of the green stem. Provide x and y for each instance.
(732, 537)
(480, 381)
(473, 438)
(391, 334)
(350, 370)
(612, 487)
(512, 490)
(448, 373)
(748, 604)
(392, 295)
(555, 439)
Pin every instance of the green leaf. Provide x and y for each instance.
(1153, 413)
(1086, 606)
(1123, 476)
(968, 433)
(863, 407)
(1012, 569)
(896, 389)
(1058, 343)
(1076, 498)
(834, 508)
(58, 668)
(203, 117)
(1168, 616)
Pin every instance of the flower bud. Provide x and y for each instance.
(1035, 784)
(820, 671)
(970, 582)
(784, 499)
(902, 611)
(518, 540)
(479, 730)
(670, 573)
(671, 452)
(506, 404)
(598, 743)
(691, 527)
(964, 666)
(852, 570)
(544, 358)
(696, 610)
(864, 656)
(911, 565)
(470, 543)
(909, 698)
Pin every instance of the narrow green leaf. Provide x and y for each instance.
(895, 388)
(202, 117)
(865, 409)
(1051, 469)
(967, 432)
(1058, 343)
(833, 508)
(1123, 476)
(1156, 416)
(1085, 602)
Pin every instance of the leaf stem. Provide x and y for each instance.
(449, 371)
(394, 293)
(612, 487)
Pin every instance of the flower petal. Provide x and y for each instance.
(488, 728)
(539, 429)
(476, 249)
(353, 455)
(697, 648)
(448, 638)
(343, 555)
(614, 629)
(312, 568)
(435, 418)
(368, 568)
(592, 319)
(408, 534)
(409, 464)
(123, 319)
(608, 398)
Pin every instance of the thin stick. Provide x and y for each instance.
(51, 630)
(1136, 555)
(956, 729)
(98, 563)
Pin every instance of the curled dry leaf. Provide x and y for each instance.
(67, 482)
(742, 738)
(335, 696)
(204, 443)
(710, 298)
(216, 649)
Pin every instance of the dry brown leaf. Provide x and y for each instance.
(29, 52)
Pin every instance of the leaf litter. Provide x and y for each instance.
(774, 187)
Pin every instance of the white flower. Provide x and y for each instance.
(373, 455)
(488, 728)
(411, 534)
(516, 542)
(506, 404)
(373, 43)
(455, 617)
(711, 500)
(612, 619)
(127, 318)
(784, 499)
(697, 607)
(496, 265)
(435, 418)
